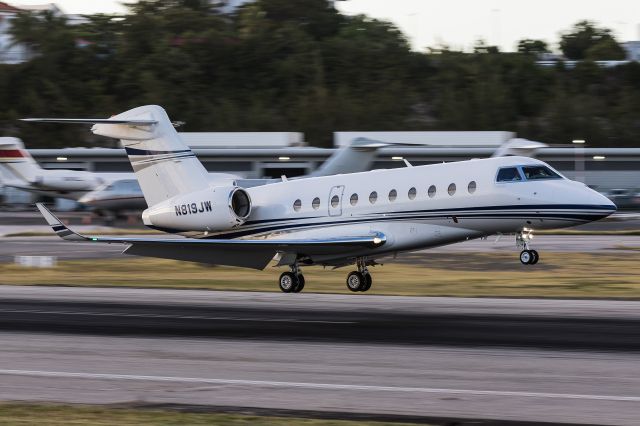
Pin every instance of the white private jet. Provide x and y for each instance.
(331, 220)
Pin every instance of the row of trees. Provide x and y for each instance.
(278, 65)
(585, 41)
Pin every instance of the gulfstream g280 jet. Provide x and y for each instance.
(334, 220)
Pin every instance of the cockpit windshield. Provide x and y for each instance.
(509, 174)
(539, 172)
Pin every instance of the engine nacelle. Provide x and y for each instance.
(212, 209)
(64, 181)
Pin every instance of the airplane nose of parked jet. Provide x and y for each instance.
(86, 199)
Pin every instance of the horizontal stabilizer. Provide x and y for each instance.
(91, 121)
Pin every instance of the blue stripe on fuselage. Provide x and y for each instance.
(136, 151)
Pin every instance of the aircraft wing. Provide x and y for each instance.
(235, 252)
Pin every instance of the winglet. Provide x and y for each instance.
(61, 229)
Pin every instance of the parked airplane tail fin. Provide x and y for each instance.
(16, 161)
(163, 164)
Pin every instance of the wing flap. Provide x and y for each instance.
(234, 255)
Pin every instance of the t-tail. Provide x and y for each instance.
(179, 192)
(163, 164)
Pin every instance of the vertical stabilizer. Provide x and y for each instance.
(163, 164)
(16, 161)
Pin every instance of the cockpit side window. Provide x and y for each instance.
(539, 172)
(509, 174)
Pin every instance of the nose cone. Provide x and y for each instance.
(597, 201)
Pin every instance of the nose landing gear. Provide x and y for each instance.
(359, 280)
(527, 256)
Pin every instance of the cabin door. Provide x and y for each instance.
(335, 200)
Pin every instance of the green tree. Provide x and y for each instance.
(536, 47)
(605, 50)
(578, 43)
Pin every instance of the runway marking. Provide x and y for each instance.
(196, 317)
(324, 386)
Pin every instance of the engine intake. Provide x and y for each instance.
(240, 203)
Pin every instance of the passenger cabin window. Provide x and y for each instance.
(297, 205)
(539, 172)
(452, 189)
(509, 174)
(472, 187)
(354, 199)
(432, 191)
(412, 194)
(335, 200)
(373, 197)
(315, 203)
(393, 194)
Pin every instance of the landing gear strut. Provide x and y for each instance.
(527, 256)
(293, 281)
(359, 280)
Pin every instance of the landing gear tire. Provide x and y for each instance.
(300, 285)
(288, 282)
(356, 281)
(367, 282)
(529, 257)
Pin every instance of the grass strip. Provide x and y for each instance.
(560, 275)
(12, 414)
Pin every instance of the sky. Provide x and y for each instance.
(459, 23)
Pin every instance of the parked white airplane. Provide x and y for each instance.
(23, 172)
(332, 220)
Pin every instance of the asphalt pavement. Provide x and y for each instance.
(571, 361)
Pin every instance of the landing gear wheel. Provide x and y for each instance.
(536, 257)
(526, 257)
(288, 282)
(355, 281)
(300, 285)
(367, 282)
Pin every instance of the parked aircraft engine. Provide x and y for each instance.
(211, 209)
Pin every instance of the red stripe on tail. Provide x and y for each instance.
(11, 153)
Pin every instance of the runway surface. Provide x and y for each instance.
(513, 359)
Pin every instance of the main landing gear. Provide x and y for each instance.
(527, 256)
(359, 280)
(292, 282)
